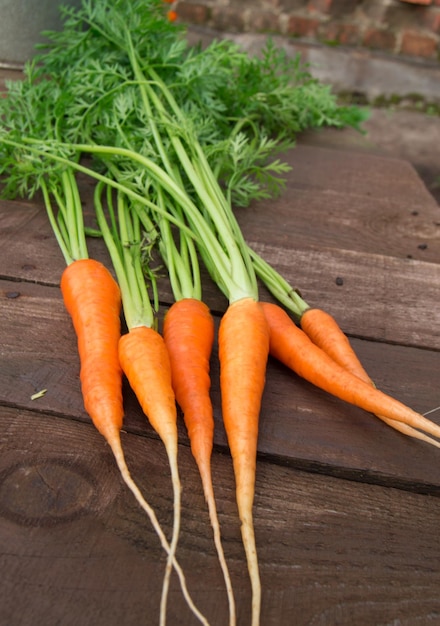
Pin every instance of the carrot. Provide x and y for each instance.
(290, 345)
(188, 332)
(144, 360)
(325, 332)
(93, 300)
(243, 352)
(142, 354)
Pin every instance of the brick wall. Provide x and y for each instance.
(401, 28)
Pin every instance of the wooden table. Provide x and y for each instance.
(347, 510)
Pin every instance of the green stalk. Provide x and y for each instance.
(31, 143)
(278, 286)
(60, 237)
(126, 262)
(68, 228)
(74, 213)
(182, 265)
(208, 190)
(241, 270)
(217, 259)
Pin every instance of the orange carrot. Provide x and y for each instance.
(93, 300)
(144, 360)
(188, 332)
(325, 332)
(243, 352)
(290, 345)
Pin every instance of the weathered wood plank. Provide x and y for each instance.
(374, 284)
(356, 173)
(76, 549)
(372, 296)
(299, 424)
(349, 201)
(306, 217)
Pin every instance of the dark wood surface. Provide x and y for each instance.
(346, 510)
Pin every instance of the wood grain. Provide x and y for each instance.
(372, 296)
(331, 551)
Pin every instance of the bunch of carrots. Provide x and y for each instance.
(156, 188)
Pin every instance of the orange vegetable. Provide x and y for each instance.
(144, 360)
(188, 332)
(326, 333)
(290, 345)
(243, 352)
(93, 300)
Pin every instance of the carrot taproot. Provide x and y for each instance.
(243, 351)
(144, 360)
(290, 345)
(325, 332)
(93, 301)
(188, 331)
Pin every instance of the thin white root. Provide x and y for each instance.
(431, 411)
(213, 516)
(409, 430)
(172, 457)
(125, 473)
(248, 536)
